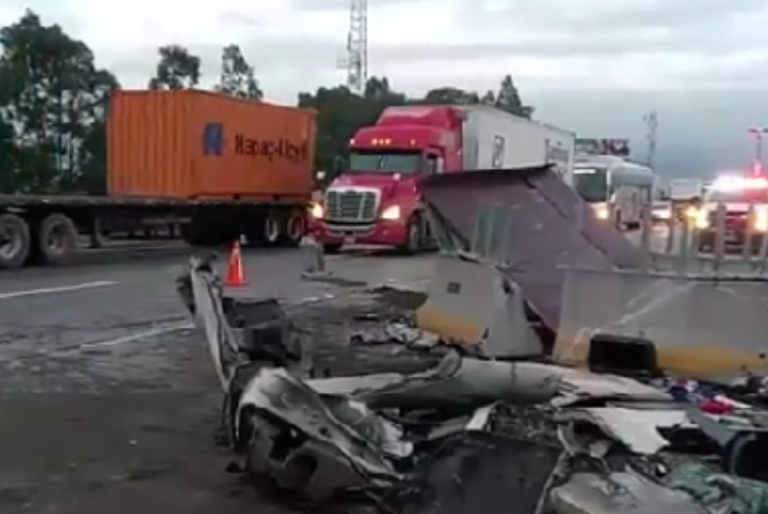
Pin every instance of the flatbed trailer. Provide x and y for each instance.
(45, 230)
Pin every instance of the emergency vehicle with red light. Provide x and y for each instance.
(745, 201)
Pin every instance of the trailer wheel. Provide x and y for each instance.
(270, 230)
(295, 227)
(15, 241)
(56, 239)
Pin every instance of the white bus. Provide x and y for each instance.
(616, 188)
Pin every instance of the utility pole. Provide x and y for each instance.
(355, 62)
(651, 121)
(758, 133)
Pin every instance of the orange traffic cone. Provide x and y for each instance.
(235, 274)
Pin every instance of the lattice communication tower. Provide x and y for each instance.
(356, 60)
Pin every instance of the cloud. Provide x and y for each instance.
(591, 65)
(598, 15)
(339, 5)
(577, 43)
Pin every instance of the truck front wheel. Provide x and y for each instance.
(414, 237)
(56, 239)
(332, 248)
(15, 241)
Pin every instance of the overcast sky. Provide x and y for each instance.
(592, 66)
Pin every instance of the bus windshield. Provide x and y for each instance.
(591, 184)
(390, 162)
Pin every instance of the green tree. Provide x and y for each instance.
(489, 98)
(340, 113)
(509, 99)
(450, 96)
(176, 69)
(50, 91)
(93, 178)
(9, 176)
(237, 76)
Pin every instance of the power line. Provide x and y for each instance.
(355, 61)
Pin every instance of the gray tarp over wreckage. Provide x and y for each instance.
(551, 229)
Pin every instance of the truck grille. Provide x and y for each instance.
(351, 205)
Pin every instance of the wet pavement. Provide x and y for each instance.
(108, 397)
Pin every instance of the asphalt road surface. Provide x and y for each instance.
(108, 400)
(108, 397)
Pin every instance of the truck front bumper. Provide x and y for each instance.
(381, 233)
(733, 240)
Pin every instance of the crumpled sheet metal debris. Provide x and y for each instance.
(455, 382)
(485, 473)
(701, 328)
(323, 437)
(620, 493)
(719, 492)
(342, 416)
(472, 303)
(638, 429)
(295, 404)
(578, 385)
(425, 442)
(545, 237)
(238, 331)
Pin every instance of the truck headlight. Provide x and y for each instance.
(602, 212)
(761, 220)
(317, 211)
(701, 219)
(391, 213)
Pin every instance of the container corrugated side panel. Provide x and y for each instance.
(149, 150)
(261, 175)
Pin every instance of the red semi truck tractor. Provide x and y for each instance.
(377, 201)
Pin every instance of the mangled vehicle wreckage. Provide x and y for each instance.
(370, 433)
(437, 441)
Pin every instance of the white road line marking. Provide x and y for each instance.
(131, 338)
(55, 290)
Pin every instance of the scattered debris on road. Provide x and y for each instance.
(570, 378)
(474, 433)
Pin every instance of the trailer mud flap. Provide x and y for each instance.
(473, 303)
(550, 228)
(700, 327)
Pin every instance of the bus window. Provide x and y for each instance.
(591, 184)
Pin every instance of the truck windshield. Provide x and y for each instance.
(591, 184)
(410, 163)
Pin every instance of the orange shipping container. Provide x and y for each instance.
(201, 145)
